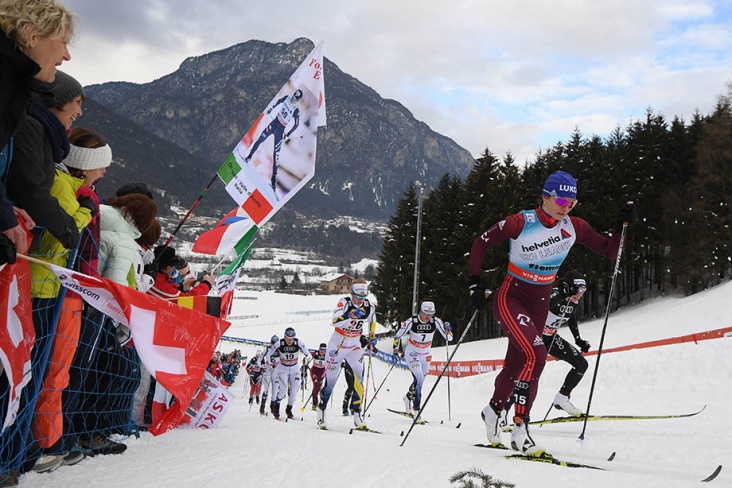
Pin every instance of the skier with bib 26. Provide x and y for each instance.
(352, 314)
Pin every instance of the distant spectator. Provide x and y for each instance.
(168, 277)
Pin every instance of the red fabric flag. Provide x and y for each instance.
(175, 343)
(17, 335)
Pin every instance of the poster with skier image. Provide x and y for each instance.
(276, 157)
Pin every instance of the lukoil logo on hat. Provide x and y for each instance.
(561, 184)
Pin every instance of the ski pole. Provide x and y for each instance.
(564, 313)
(373, 379)
(376, 393)
(447, 357)
(424, 404)
(604, 327)
(368, 372)
(190, 210)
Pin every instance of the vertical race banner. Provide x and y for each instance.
(276, 157)
(208, 405)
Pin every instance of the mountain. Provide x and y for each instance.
(176, 132)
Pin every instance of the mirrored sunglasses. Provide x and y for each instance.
(563, 202)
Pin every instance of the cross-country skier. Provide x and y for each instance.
(566, 294)
(317, 371)
(540, 240)
(287, 372)
(288, 117)
(351, 315)
(254, 369)
(266, 362)
(419, 329)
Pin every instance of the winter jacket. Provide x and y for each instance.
(40, 141)
(87, 256)
(117, 249)
(162, 288)
(16, 71)
(47, 247)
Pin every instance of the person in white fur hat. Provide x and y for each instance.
(89, 156)
(86, 162)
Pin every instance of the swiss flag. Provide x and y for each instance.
(17, 335)
(175, 343)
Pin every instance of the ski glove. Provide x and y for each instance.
(626, 214)
(358, 313)
(582, 344)
(448, 327)
(7, 250)
(478, 293)
(87, 202)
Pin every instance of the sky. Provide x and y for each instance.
(250, 450)
(508, 76)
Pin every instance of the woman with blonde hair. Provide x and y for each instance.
(34, 35)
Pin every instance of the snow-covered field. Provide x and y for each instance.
(249, 450)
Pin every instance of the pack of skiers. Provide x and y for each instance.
(530, 307)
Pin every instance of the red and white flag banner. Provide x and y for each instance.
(17, 335)
(175, 343)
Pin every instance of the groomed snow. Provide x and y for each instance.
(249, 450)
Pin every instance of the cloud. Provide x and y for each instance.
(504, 75)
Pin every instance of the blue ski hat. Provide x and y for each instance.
(289, 332)
(561, 184)
(274, 339)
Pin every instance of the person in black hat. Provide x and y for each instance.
(169, 278)
(566, 294)
(135, 187)
(540, 240)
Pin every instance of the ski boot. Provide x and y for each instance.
(522, 442)
(321, 419)
(492, 429)
(561, 402)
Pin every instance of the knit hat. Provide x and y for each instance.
(89, 158)
(359, 290)
(561, 184)
(575, 280)
(137, 187)
(64, 89)
(428, 308)
(166, 256)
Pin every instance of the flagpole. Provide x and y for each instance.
(190, 210)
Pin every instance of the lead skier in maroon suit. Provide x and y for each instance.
(540, 240)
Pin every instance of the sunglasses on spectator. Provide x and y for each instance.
(563, 202)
